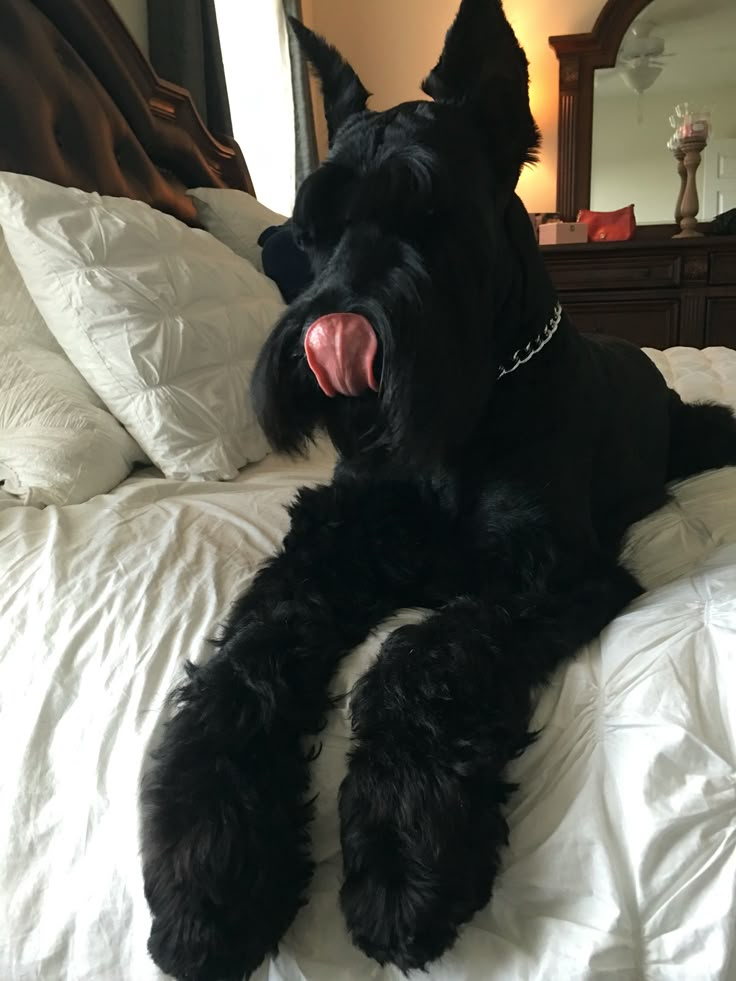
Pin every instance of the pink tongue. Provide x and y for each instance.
(340, 349)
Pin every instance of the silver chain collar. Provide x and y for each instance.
(534, 346)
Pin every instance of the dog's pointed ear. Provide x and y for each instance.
(484, 68)
(343, 92)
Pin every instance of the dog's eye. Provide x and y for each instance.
(304, 236)
(327, 232)
(418, 224)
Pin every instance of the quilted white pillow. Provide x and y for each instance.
(58, 445)
(236, 219)
(163, 321)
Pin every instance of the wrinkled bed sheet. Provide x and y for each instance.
(622, 861)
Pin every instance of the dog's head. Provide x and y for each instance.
(418, 246)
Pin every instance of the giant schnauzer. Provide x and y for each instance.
(490, 461)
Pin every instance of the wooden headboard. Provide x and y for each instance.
(81, 106)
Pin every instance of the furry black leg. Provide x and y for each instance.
(225, 846)
(225, 811)
(435, 722)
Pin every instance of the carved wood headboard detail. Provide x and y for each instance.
(80, 105)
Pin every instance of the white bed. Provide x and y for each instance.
(622, 859)
(622, 862)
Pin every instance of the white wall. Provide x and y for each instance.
(134, 13)
(631, 161)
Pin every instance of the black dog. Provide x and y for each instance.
(490, 461)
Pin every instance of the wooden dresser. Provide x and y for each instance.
(654, 293)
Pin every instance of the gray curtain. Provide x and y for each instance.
(306, 139)
(184, 46)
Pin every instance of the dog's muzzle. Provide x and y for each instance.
(341, 349)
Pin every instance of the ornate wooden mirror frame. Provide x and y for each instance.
(579, 56)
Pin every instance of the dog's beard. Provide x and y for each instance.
(428, 402)
(285, 397)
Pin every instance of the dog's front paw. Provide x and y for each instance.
(419, 855)
(421, 812)
(189, 947)
(225, 844)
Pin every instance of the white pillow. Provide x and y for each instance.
(164, 322)
(58, 445)
(236, 219)
(21, 325)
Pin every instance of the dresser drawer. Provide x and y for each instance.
(621, 270)
(656, 293)
(720, 322)
(647, 323)
(723, 268)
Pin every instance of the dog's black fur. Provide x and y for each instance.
(500, 503)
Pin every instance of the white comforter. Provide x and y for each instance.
(622, 862)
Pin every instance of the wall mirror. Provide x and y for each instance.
(619, 86)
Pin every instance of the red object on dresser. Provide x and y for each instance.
(609, 226)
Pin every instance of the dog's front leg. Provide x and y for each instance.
(225, 804)
(436, 720)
